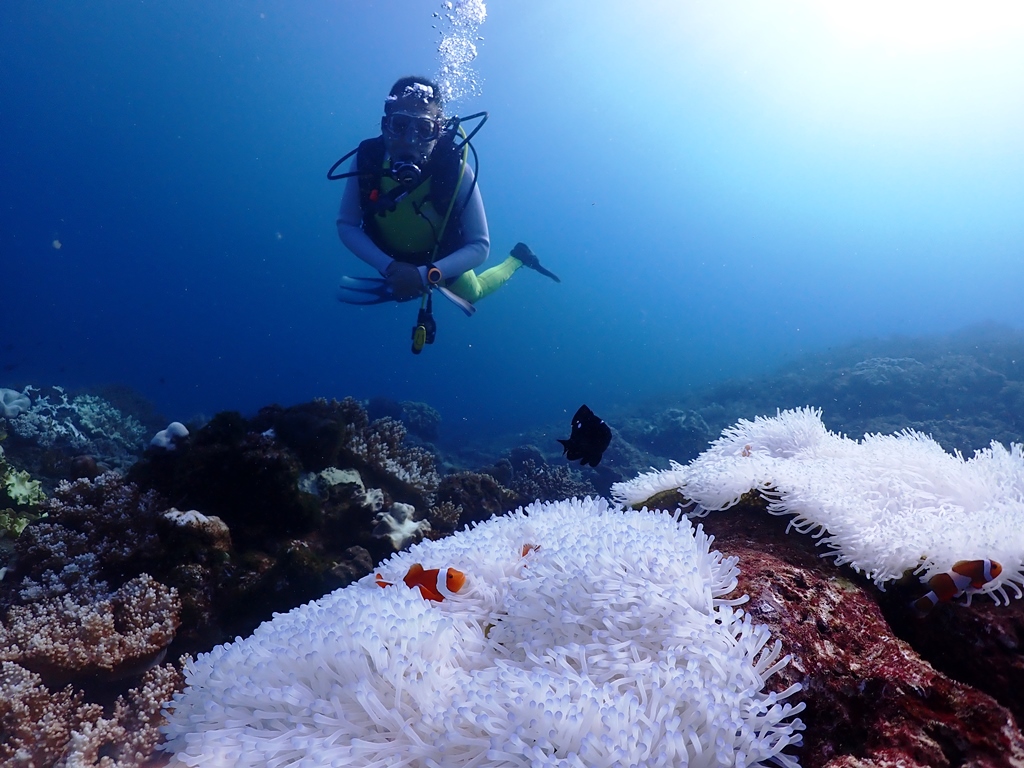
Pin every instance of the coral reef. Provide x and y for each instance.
(340, 434)
(548, 482)
(964, 389)
(420, 419)
(250, 516)
(479, 496)
(281, 508)
(83, 424)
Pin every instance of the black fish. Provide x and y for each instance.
(588, 440)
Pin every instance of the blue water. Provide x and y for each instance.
(720, 187)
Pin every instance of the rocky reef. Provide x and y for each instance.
(882, 688)
(965, 389)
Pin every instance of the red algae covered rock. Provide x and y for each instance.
(980, 645)
(872, 701)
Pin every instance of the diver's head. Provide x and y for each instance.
(412, 123)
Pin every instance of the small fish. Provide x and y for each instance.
(430, 581)
(588, 440)
(964, 575)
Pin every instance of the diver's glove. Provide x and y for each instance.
(522, 252)
(403, 280)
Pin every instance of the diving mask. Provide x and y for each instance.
(412, 128)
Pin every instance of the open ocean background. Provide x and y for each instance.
(721, 188)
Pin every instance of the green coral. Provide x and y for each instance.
(12, 524)
(18, 489)
(21, 488)
(100, 419)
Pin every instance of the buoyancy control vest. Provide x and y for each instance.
(412, 227)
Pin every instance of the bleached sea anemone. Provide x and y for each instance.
(885, 504)
(584, 636)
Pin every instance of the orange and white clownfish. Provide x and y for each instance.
(430, 582)
(964, 575)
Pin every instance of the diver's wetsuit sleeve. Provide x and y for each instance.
(476, 240)
(350, 227)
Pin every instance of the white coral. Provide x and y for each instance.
(612, 643)
(885, 504)
(398, 525)
(13, 403)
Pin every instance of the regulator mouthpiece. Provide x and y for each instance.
(406, 172)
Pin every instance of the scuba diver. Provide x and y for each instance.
(412, 210)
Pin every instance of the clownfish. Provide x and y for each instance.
(964, 575)
(430, 582)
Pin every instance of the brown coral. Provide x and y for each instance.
(39, 728)
(35, 724)
(67, 637)
(480, 496)
(128, 738)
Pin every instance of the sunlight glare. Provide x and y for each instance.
(922, 26)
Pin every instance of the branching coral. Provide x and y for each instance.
(380, 445)
(128, 737)
(422, 420)
(92, 633)
(60, 621)
(43, 728)
(479, 496)
(35, 723)
(545, 482)
(95, 531)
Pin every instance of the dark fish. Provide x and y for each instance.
(588, 440)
